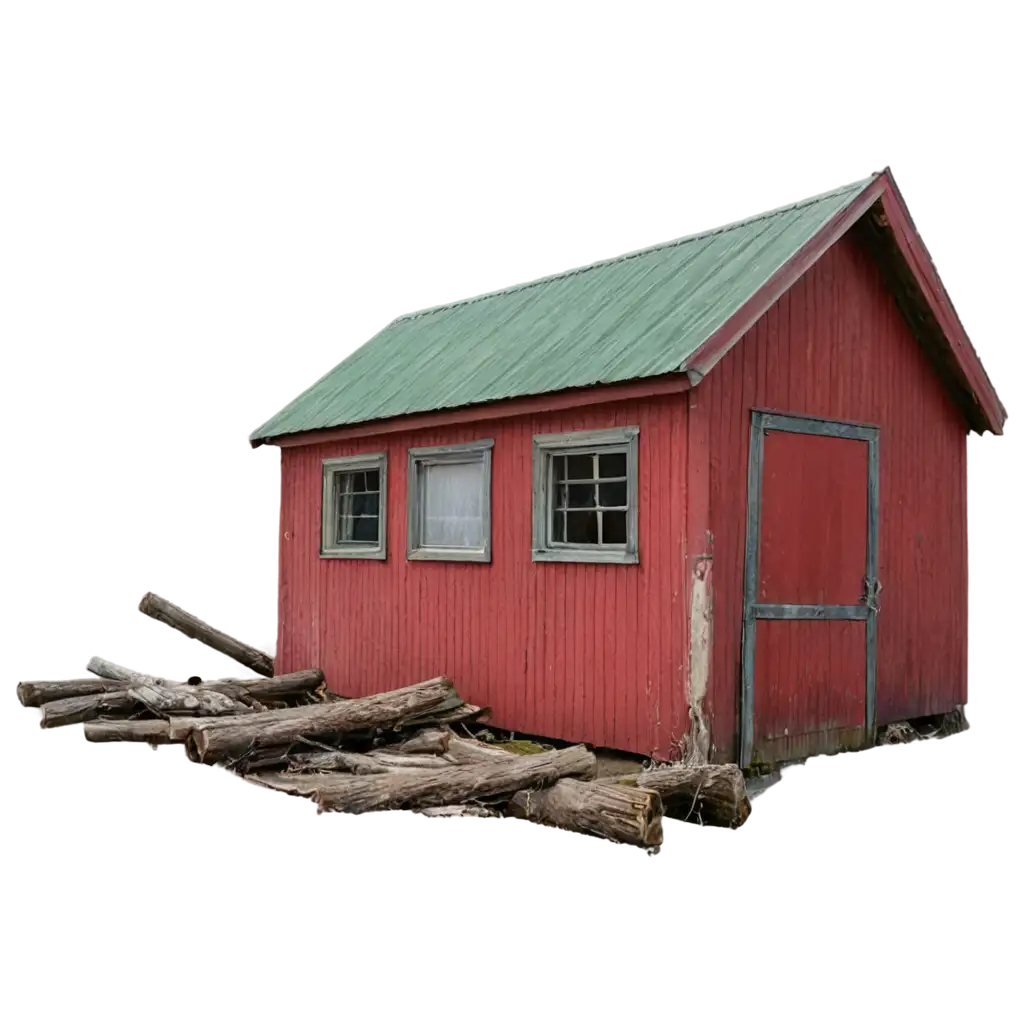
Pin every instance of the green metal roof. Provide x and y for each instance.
(638, 315)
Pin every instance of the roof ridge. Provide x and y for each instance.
(857, 186)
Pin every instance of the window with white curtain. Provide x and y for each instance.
(450, 502)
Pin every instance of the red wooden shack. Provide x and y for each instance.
(971, 218)
(707, 497)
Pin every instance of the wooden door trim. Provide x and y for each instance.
(761, 422)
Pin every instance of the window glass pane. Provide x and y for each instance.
(580, 467)
(373, 480)
(559, 463)
(365, 529)
(613, 464)
(612, 494)
(358, 529)
(452, 496)
(581, 496)
(613, 527)
(581, 527)
(558, 527)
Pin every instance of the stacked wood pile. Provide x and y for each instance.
(420, 747)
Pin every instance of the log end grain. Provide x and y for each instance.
(623, 814)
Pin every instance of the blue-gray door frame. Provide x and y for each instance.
(867, 611)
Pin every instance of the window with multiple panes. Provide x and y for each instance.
(354, 523)
(450, 502)
(584, 500)
(585, 496)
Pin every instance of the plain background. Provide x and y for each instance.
(204, 207)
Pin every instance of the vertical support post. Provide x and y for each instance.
(699, 560)
(750, 566)
(871, 590)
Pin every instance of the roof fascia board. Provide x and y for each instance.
(652, 387)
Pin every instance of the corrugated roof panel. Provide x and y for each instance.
(639, 315)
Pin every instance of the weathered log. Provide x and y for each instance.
(218, 739)
(709, 794)
(179, 727)
(143, 730)
(71, 710)
(33, 694)
(263, 689)
(372, 763)
(111, 670)
(164, 701)
(623, 814)
(426, 741)
(293, 783)
(467, 751)
(459, 811)
(450, 715)
(357, 794)
(177, 618)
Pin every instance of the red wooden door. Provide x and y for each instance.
(808, 624)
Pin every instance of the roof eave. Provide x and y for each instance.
(987, 413)
(505, 408)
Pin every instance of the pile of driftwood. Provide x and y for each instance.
(419, 748)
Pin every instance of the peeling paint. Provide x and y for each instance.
(701, 617)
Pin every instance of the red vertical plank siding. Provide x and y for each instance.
(577, 651)
(836, 346)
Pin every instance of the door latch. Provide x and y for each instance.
(872, 588)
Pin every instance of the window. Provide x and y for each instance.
(450, 502)
(354, 511)
(585, 496)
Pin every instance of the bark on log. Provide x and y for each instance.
(111, 670)
(451, 715)
(163, 701)
(466, 751)
(219, 739)
(71, 710)
(262, 689)
(33, 694)
(372, 763)
(453, 785)
(293, 783)
(426, 741)
(459, 811)
(178, 728)
(149, 730)
(709, 794)
(623, 814)
(177, 618)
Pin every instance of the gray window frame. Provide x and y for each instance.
(353, 549)
(473, 451)
(545, 448)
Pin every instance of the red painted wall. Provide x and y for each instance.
(593, 652)
(836, 346)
